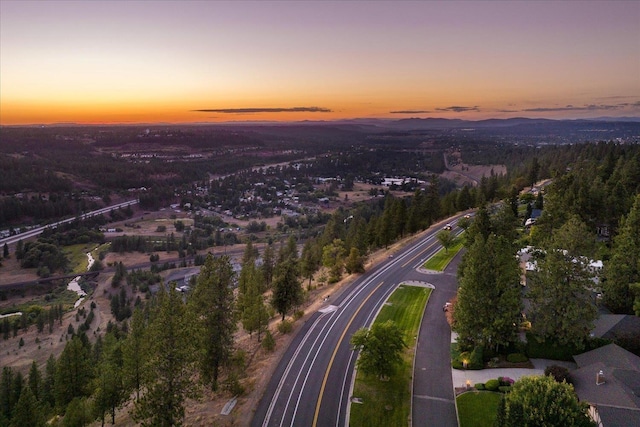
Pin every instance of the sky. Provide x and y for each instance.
(215, 61)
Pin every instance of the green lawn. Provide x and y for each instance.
(388, 403)
(478, 408)
(442, 258)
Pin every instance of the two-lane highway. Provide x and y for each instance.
(37, 231)
(311, 385)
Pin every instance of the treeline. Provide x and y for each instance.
(164, 355)
(600, 187)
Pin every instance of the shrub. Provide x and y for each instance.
(492, 385)
(479, 386)
(505, 381)
(298, 314)
(268, 343)
(285, 327)
(504, 389)
(476, 361)
(559, 373)
(517, 358)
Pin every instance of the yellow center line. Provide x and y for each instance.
(419, 254)
(335, 351)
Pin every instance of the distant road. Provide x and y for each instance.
(37, 231)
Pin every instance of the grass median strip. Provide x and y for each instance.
(388, 403)
(442, 258)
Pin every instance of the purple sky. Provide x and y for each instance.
(167, 61)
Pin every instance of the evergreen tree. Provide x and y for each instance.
(170, 359)
(6, 393)
(48, 385)
(354, 263)
(287, 291)
(35, 380)
(253, 313)
(562, 309)
(73, 372)
(133, 352)
(109, 387)
(309, 260)
(268, 262)
(27, 411)
(214, 305)
(623, 268)
(489, 305)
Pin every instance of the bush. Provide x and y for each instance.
(298, 314)
(559, 373)
(505, 381)
(504, 388)
(517, 358)
(479, 386)
(492, 385)
(476, 361)
(268, 343)
(285, 327)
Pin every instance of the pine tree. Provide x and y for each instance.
(287, 291)
(35, 380)
(73, 372)
(562, 309)
(214, 305)
(623, 268)
(487, 312)
(133, 352)
(267, 266)
(109, 387)
(27, 411)
(6, 393)
(308, 260)
(354, 263)
(48, 385)
(170, 361)
(253, 313)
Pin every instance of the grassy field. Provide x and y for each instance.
(442, 258)
(388, 403)
(77, 255)
(478, 408)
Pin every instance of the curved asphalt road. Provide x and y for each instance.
(311, 385)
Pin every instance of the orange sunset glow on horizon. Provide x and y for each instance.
(104, 62)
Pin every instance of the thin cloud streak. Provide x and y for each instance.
(589, 107)
(459, 109)
(264, 110)
(410, 112)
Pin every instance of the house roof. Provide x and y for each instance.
(604, 323)
(627, 326)
(612, 416)
(610, 355)
(618, 397)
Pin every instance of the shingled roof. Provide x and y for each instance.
(617, 399)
